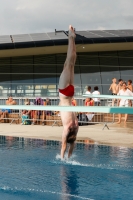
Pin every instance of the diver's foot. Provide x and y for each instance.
(71, 32)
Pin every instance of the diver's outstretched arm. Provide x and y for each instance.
(63, 149)
(70, 149)
(64, 143)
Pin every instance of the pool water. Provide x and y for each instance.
(32, 169)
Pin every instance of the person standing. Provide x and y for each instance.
(37, 113)
(66, 92)
(88, 90)
(119, 86)
(124, 102)
(113, 86)
(129, 85)
(96, 100)
(5, 112)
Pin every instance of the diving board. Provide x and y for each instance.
(107, 96)
(96, 109)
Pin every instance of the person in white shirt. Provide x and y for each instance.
(96, 100)
(124, 102)
(119, 86)
(88, 90)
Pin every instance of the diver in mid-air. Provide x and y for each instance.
(66, 92)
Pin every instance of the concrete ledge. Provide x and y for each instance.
(118, 135)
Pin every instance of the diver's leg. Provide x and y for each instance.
(67, 75)
(71, 147)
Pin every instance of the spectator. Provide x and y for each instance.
(124, 102)
(44, 103)
(88, 90)
(3, 115)
(113, 86)
(26, 114)
(119, 86)
(129, 85)
(26, 102)
(57, 113)
(89, 102)
(48, 103)
(74, 102)
(5, 112)
(96, 100)
(37, 113)
(88, 116)
(10, 101)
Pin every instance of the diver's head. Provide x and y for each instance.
(71, 136)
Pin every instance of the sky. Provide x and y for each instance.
(37, 16)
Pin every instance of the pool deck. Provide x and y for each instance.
(117, 135)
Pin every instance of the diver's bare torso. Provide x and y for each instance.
(69, 119)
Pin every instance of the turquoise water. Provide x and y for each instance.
(32, 169)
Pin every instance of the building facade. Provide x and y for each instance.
(27, 70)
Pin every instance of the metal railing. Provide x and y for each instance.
(52, 118)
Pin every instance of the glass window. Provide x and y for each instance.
(21, 89)
(5, 89)
(106, 89)
(45, 78)
(47, 68)
(45, 90)
(89, 79)
(110, 70)
(109, 61)
(5, 78)
(88, 60)
(90, 69)
(24, 68)
(60, 59)
(22, 60)
(45, 59)
(126, 61)
(108, 53)
(78, 90)
(126, 78)
(22, 78)
(107, 78)
(59, 69)
(125, 53)
(5, 69)
(77, 79)
(126, 70)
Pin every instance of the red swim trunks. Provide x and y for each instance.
(68, 91)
